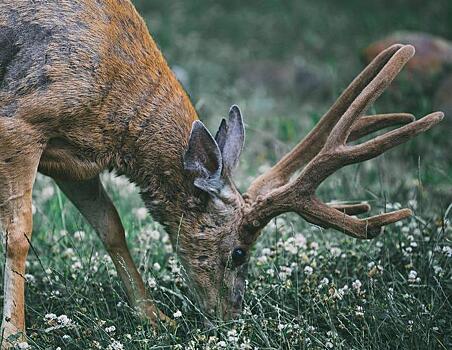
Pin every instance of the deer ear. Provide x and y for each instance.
(231, 138)
(203, 159)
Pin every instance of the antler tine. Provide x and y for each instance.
(369, 124)
(299, 195)
(351, 209)
(306, 149)
(370, 93)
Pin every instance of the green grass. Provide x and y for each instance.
(296, 296)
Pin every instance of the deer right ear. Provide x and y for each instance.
(203, 159)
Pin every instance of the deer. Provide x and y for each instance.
(84, 89)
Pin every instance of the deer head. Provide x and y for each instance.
(227, 224)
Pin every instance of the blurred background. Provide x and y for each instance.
(285, 62)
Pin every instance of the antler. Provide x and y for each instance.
(324, 150)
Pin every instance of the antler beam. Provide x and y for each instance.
(325, 150)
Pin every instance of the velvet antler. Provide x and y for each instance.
(325, 150)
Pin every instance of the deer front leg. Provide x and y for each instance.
(16, 182)
(93, 202)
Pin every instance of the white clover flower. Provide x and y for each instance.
(23, 345)
(281, 326)
(156, 266)
(329, 345)
(50, 317)
(222, 344)
(79, 235)
(447, 251)
(30, 278)
(437, 269)
(177, 314)
(115, 345)
(335, 252)
(270, 272)
(323, 282)
(308, 270)
(261, 260)
(155, 235)
(310, 329)
(141, 213)
(359, 311)
(76, 265)
(110, 329)
(232, 336)
(314, 245)
(300, 240)
(266, 251)
(152, 283)
(64, 320)
(47, 193)
(356, 284)
(290, 247)
(412, 277)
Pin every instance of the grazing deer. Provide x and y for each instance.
(84, 88)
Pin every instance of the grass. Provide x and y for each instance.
(307, 288)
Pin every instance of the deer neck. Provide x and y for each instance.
(153, 144)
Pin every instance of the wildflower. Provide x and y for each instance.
(300, 240)
(30, 278)
(357, 285)
(329, 345)
(447, 251)
(177, 314)
(141, 213)
(412, 276)
(232, 336)
(115, 345)
(437, 269)
(266, 251)
(284, 272)
(270, 272)
(23, 345)
(110, 329)
(310, 329)
(222, 344)
(47, 193)
(76, 265)
(79, 235)
(281, 326)
(155, 235)
(50, 317)
(308, 270)
(261, 260)
(64, 320)
(314, 246)
(156, 266)
(323, 282)
(359, 311)
(335, 252)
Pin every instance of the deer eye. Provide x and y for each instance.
(238, 256)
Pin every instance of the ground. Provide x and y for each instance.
(283, 63)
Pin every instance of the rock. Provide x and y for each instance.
(433, 54)
(442, 100)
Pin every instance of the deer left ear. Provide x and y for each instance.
(231, 138)
(203, 159)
